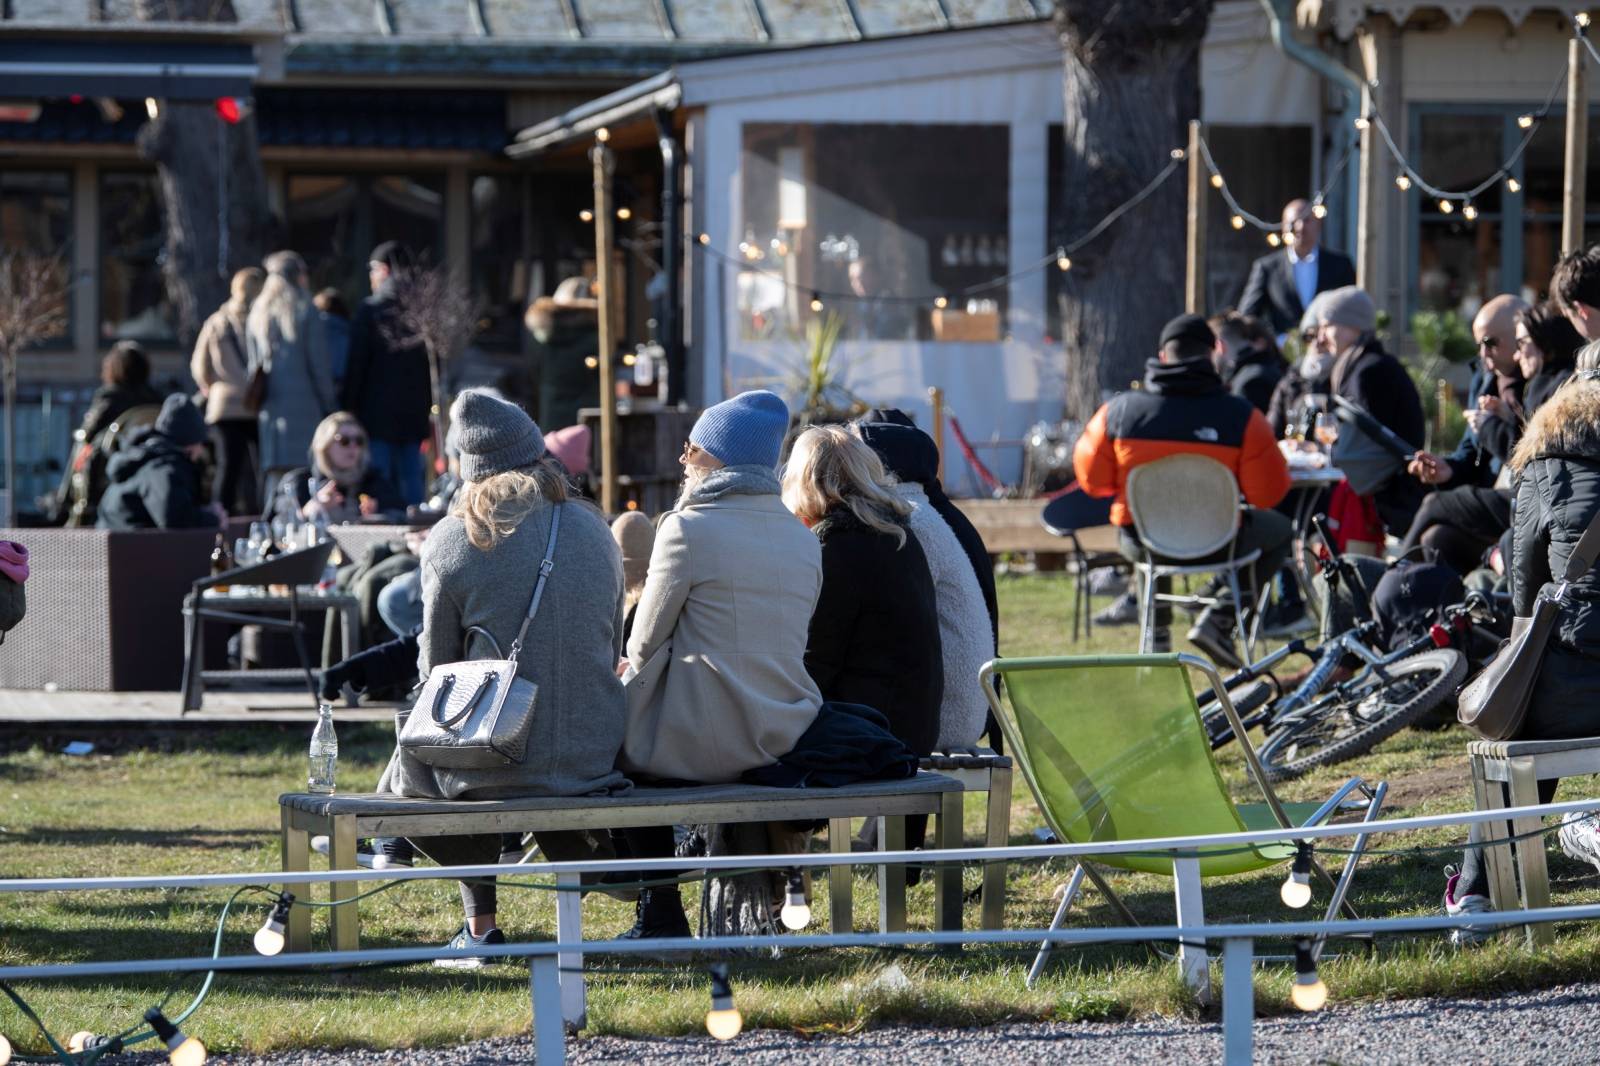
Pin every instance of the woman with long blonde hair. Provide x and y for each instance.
(874, 636)
(479, 568)
(285, 339)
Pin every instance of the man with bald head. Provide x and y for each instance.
(1494, 330)
(1282, 284)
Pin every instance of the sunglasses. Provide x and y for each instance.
(1491, 343)
(344, 438)
(691, 451)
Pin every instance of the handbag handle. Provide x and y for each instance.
(545, 567)
(444, 693)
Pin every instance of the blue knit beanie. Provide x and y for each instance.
(747, 430)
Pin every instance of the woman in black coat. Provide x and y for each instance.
(1557, 467)
(875, 631)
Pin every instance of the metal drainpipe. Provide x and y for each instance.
(672, 237)
(1348, 80)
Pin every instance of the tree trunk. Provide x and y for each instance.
(212, 186)
(1131, 81)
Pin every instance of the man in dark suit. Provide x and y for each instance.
(1283, 283)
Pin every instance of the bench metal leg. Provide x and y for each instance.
(840, 880)
(569, 930)
(891, 878)
(1191, 914)
(1489, 796)
(296, 850)
(344, 920)
(549, 1033)
(1533, 878)
(998, 835)
(947, 876)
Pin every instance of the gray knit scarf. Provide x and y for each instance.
(731, 481)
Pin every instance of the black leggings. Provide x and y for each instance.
(1472, 860)
(1459, 525)
(483, 849)
(236, 441)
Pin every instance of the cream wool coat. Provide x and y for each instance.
(219, 364)
(717, 680)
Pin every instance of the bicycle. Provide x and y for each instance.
(1326, 719)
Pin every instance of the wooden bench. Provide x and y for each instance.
(1520, 765)
(981, 770)
(344, 819)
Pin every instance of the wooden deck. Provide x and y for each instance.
(160, 709)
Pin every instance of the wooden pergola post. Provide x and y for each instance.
(1367, 207)
(1577, 157)
(1194, 274)
(605, 289)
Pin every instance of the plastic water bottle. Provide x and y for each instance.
(324, 751)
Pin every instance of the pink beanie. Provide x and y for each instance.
(571, 445)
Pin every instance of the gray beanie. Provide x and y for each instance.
(1349, 306)
(494, 435)
(181, 421)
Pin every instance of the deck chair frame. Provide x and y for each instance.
(1187, 890)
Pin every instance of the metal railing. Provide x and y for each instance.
(557, 966)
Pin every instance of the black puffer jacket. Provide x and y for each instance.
(154, 485)
(1254, 373)
(875, 631)
(1558, 495)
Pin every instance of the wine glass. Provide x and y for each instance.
(1327, 429)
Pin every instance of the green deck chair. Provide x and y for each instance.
(1114, 749)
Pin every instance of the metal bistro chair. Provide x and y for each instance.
(1186, 507)
(1114, 749)
(1065, 516)
(296, 568)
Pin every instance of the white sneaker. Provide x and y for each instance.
(1580, 836)
(1456, 907)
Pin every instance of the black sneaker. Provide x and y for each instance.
(658, 915)
(1213, 634)
(465, 939)
(377, 853)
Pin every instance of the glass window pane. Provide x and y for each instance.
(133, 297)
(335, 220)
(1458, 265)
(36, 217)
(880, 219)
(499, 268)
(1459, 151)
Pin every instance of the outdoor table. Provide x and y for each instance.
(1306, 485)
(264, 602)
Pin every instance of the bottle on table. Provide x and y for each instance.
(324, 751)
(221, 561)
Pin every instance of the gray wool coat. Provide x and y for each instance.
(965, 637)
(571, 651)
(300, 389)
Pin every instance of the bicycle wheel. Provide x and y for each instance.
(1338, 728)
(1248, 697)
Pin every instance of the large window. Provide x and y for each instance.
(335, 220)
(36, 217)
(879, 221)
(133, 297)
(500, 265)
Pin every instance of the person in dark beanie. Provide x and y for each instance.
(387, 384)
(155, 481)
(479, 569)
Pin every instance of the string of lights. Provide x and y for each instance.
(1239, 217)
(1060, 258)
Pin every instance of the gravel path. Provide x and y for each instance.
(1555, 1025)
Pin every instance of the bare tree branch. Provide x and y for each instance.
(33, 308)
(433, 309)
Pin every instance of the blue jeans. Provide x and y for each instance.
(400, 603)
(401, 463)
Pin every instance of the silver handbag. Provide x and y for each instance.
(475, 715)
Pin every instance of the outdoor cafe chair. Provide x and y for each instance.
(1185, 508)
(1114, 749)
(1065, 516)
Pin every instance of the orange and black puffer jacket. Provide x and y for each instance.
(1183, 407)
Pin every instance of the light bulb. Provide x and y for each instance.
(624, 213)
(1063, 263)
(1362, 123)
(1308, 992)
(269, 941)
(1525, 121)
(590, 361)
(1296, 891)
(1178, 153)
(1319, 209)
(1469, 212)
(629, 359)
(816, 302)
(796, 913)
(1513, 185)
(5, 1051)
(1274, 240)
(724, 1024)
(1582, 19)
(79, 1040)
(152, 108)
(1445, 207)
(188, 1052)
(723, 1020)
(602, 135)
(1237, 222)
(705, 238)
(586, 215)
(1403, 182)
(941, 302)
(1216, 181)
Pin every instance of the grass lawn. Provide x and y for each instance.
(209, 807)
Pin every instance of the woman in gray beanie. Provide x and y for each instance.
(478, 572)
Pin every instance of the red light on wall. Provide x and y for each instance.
(231, 109)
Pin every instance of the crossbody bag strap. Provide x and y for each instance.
(545, 567)
(1582, 558)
